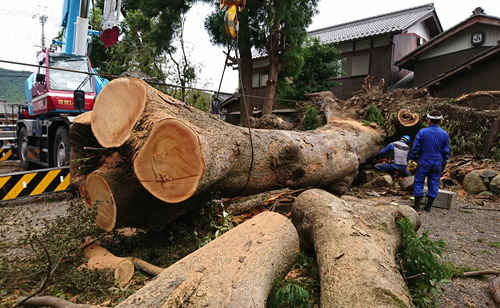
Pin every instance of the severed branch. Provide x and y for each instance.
(477, 94)
(494, 285)
(49, 301)
(23, 301)
(147, 267)
(239, 205)
(481, 273)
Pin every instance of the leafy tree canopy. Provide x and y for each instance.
(146, 35)
(319, 65)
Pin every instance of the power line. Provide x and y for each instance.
(149, 81)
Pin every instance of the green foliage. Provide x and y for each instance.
(310, 68)
(465, 141)
(263, 23)
(199, 100)
(494, 244)
(60, 239)
(146, 38)
(373, 115)
(419, 257)
(12, 85)
(63, 237)
(219, 221)
(312, 119)
(301, 289)
(448, 101)
(288, 294)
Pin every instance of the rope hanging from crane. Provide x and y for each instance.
(232, 26)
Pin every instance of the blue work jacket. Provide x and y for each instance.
(431, 146)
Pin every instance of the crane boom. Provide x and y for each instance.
(61, 87)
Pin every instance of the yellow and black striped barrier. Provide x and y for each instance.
(32, 183)
(5, 153)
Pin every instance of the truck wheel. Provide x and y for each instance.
(22, 148)
(61, 147)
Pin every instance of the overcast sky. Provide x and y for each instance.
(20, 29)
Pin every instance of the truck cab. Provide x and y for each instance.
(53, 88)
(60, 89)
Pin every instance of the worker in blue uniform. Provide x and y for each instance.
(398, 157)
(431, 150)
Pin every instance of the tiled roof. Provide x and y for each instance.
(373, 26)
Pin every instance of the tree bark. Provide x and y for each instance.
(494, 288)
(246, 70)
(491, 137)
(229, 271)
(355, 244)
(179, 151)
(86, 153)
(267, 107)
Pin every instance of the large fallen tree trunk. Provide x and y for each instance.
(355, 244)
(178, 151)
(235, 270)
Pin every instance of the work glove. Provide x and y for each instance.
(412, 165)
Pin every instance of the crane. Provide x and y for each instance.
(62, 87)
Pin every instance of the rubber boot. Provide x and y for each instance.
(428, 206)
(416, 204)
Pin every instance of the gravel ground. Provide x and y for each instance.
(469, 230)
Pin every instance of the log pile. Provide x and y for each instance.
(144, 158)
(142, 146)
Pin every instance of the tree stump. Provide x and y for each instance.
(355, 244)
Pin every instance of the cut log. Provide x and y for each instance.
(406, 123)
(179, 151)
(122, 202)
(407, 119)
(355, 244)
(100, 258)
(235, 270)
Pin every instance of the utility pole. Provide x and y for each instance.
(43, 19)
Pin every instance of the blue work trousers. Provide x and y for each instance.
(433, 174)
(391, 168)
